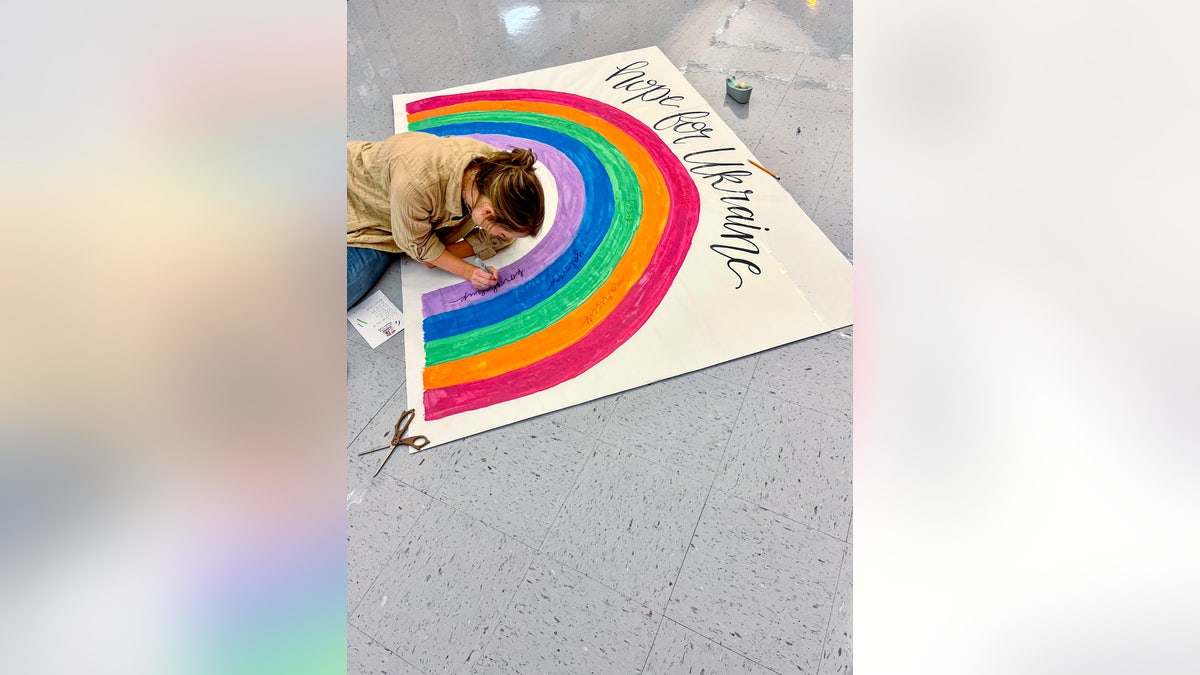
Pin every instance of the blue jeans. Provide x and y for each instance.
(364, 266)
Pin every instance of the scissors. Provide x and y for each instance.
(414, 443)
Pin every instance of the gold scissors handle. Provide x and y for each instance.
(406, 419)
(415, 443)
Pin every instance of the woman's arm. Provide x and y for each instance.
(414, 235)
(455, 265)
(461, 248)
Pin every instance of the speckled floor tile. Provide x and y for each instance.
(374, 71)
(737, 371)
(778, 61)
(814, 373)
(562, 622)
(678, 650)
(379, 513)
(365, 656)
(587, 418)
(702, 56)
(791, 460)
(815, 95)
(371, 379)
(761, 37)
(391, 283)
(627, 524)
(440, 598)
(816, 130)
(515, 478)
(682, 423)
(802, 170)
(840, 185)
(486, 666)
(834, 70)
(748, 121)
(425, 470)
(838, 655)
(758, 584)
(836, 220)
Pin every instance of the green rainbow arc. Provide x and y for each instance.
(627, 200)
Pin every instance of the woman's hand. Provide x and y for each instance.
(480, 279)
(483, 280)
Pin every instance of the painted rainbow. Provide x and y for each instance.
(626, 216)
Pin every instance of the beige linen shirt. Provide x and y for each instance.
(404, 195)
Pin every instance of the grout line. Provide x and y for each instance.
(356, 436)
(766, 127)
(753, 371)
(728, 20)
(503, 615)
(784, 516)
(484, 523)
(437, 486)
(677, 471)
(836, 152)
(374, 415)
(471, 517)
(725, 44)
(538, 551)
(728, 381)
(597, 445)
(688, 547)
(832, 607)
(664, 611)
(575, 485)
(600, 583)
(385, 647)
(567, 497)
(722, 646)
(823, 413)
(389, 559)
(596, 442)
(768, 509)
(658, 629)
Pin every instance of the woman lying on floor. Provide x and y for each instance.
(438, 200)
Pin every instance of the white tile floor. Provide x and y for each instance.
(700, 524)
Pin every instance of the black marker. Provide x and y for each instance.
(483, 267)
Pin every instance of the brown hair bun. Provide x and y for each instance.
(507, 179)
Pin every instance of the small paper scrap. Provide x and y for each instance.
(377, 319)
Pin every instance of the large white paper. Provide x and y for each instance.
(665, 249)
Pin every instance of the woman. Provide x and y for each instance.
(437, 199)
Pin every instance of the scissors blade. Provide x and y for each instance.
(382, 447)
(385, 460)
